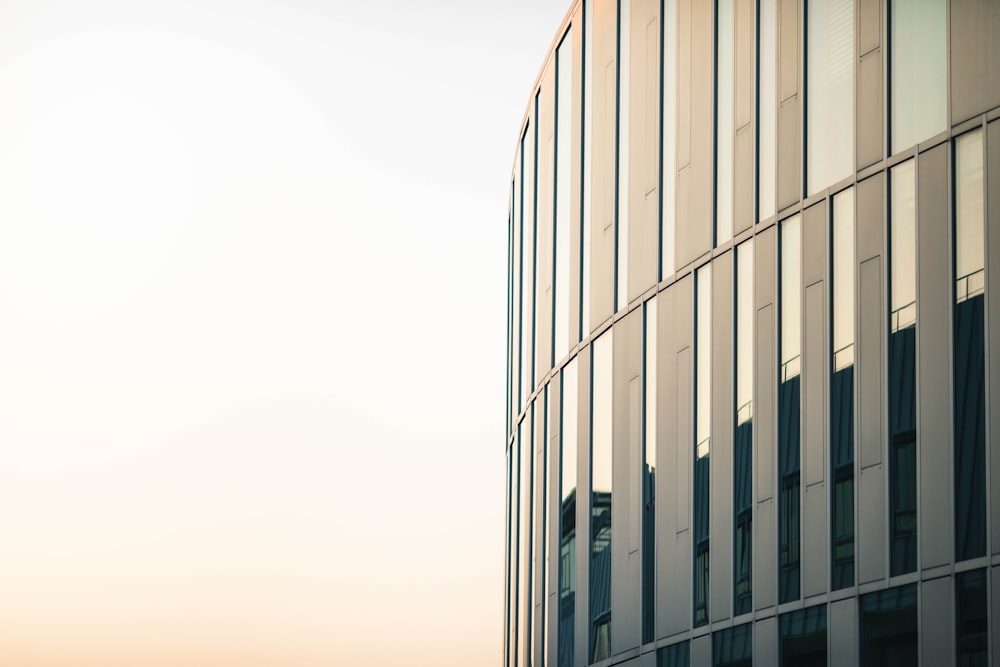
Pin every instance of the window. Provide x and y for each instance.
(969, 360)
(703, 439)
(743, 450)
(889, 627)
(842, 393)
(527, 263)
(567, 514)
(767, 145)
(668, 173)
(675, 655)
(621, 159)
(789, 409)
(600, 497)
(917, 61)
(902, 369)
(588, 132)
(524, 536)
(733, 647)
(829, 92)
(649, 472)
(803, 637)
(724, 121)
(971, 619)
(564, 130)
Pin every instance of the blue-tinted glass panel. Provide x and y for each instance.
(902, 369)
(842, 393)
(649, 472)
(567, 514)
(917, 59)
(829, 92)
(803, 637)
(703, 440)
(675, 655)
(969, 359)
(889, 627)
(564, 132)
(971, 622)
(733, 647)
(724, 122)
(600, 498)
(743, 445)
(789, 390)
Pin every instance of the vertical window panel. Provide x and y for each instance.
(971, 620)
(767, 72)
(527, 262)
(743, 449)
(829, 92)
(524, 536)
(889, 627)
(567, 515)
(902, 369)
(703, 440)
(668, 173)
(969, 358)
(842, 393)
(803, 637)
(918, 61)
(789, 427)
(724, 122)
(622, 148)
(517, 296)
(588, 133)
(564, 144)
(600, 497)
(675, 655)
(536, 345)
(733, 647)
(649, 472)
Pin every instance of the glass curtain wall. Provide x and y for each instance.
(564, 144)
(902, 369)
(918, 58)
(649, 471)
(570, 396)
(600, 497)
(842, 393)
(829, 92)
(703, 439)
(743, 451)
(969, 360)
(789, 392)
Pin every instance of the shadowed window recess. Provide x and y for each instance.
(703, 440)
(789, 429)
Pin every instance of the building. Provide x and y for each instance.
(754, 337)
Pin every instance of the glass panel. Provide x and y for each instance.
(768, 106)
(675, 655)
(743, 453)
(600, 498)
(564, 144)
(969, 360)
(622, 163)
(703, 421)
(902, 369)
(918, 58)
(567, 515)
(527, 263)
(889, 627)
(508, 551)
(842, 393)
(649, 474)
(724, 122)
(537, 349)
(517, 297)
(788, 410)
(733, 647)
(588, 132)
(971, 619)
(803, 637)
(829, 92)
(538, 518)
(524, 538)
(669, 157)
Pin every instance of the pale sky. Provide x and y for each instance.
(252, 328)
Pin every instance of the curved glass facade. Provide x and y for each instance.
(753, 336)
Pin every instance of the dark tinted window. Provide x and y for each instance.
(733, 647)
(676, 655)
(971, 620)
(889, 628)
(803, 637)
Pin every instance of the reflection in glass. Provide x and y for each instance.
(703, 440)
(542, 503)
(524, 537)
(889, 627)
(788, 410)
(902, 369)
(733, 647)
(969, 361)
(588, 132)
(768, 108)
(803, 637)
(971, 619)
(622, 161)
(668, 173)
(829, 92)
(600, 498)
(649, 473)
(564, 130)
(724, 122)
(567, 515)
(842, 393)
(743, 451)
(527, 262)
(675, 655)
(918, 58)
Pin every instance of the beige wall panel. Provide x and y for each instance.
(546, 218)
(575, 185)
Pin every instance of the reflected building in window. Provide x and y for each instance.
(753, 343)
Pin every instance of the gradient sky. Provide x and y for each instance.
(252, 328)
